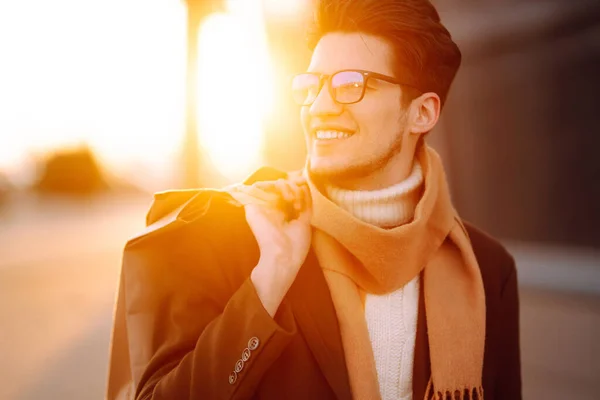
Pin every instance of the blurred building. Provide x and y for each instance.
(521, 125)
(74, 172)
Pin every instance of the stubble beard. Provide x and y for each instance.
(339, 174)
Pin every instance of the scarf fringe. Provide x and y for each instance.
(475, 393)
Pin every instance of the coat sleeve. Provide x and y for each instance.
(508, 386)
(193, 336)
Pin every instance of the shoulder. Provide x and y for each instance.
(198, 221)
(171, 212)
(164, 203)
(167, 202)
(497, 265)
(195, 241)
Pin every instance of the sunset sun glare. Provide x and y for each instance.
(234, 88)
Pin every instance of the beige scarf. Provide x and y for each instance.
(359, 258)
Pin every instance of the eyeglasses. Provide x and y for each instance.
(345, 87)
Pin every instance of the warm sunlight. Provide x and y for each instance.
(284, 8)
(109, 73)
(235, 89)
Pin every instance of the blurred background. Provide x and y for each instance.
(103, 103)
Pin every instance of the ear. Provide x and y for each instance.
(424, 114)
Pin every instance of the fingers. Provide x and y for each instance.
(286, 190)
(298, 195)
(293, 192)
(306, 212)
(301, 193)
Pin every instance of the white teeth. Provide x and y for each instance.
(328, 135)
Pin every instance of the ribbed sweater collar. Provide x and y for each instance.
(386, 208)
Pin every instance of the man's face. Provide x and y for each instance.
(375, 124)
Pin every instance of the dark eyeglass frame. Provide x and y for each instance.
(366, 76)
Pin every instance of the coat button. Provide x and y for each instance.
(246, 355)
(232, 378)
(239, 366)
(253, 343)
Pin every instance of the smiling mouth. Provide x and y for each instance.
(327, 135)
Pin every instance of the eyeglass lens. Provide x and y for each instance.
(346, 87)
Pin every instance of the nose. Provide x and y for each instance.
(324, 104)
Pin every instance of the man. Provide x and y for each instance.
(353, 279)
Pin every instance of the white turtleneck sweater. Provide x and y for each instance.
(391, 318)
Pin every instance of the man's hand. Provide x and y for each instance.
(283, 234)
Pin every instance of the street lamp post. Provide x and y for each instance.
(197, 11)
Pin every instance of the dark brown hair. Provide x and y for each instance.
(424, 54)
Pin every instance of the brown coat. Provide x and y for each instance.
(192, 311)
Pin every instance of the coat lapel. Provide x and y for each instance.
(316, 318)
(315, 314)
(421, 366)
